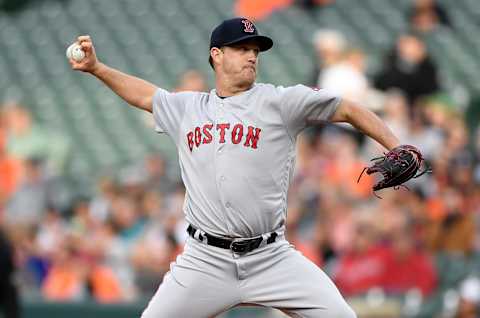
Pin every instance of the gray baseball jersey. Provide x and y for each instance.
(237, 154)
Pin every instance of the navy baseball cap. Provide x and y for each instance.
(237, 30)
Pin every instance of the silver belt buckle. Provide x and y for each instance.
(241, 246)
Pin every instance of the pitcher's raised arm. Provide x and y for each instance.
(135, 91)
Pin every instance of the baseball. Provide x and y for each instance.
(75, 52)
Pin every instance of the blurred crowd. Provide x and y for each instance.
(111, 246)
(419, 241)
(116, 244)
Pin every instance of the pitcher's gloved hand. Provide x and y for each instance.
(397, 166)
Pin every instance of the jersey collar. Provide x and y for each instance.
(213, 93)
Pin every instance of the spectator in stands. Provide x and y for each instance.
(347, 77)
(312, 4)
(66, 278)
(335, 229)
(409, 68)
(132, 180)
(329, 46)
(424, 135)
(312, 249)
(476, 147)
(10, 168)
(9, 304)
(192, 80)
(407, 267)
(469, 304)
(101, 203)
(257, 10)
(105, 285)
(29, 203)
(343, 166)
(126, 219)
(81, 222)
(461, 157)
(163, 224)
(426, 15)
(157, 177)
(50, 234)
(28, 140)
(121, 232)
(395, 113)
(31, 261)
(453, 229)
(363, 267)
(152, 255)
(456, 166)
(440, 110)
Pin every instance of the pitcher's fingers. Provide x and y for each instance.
(73, 64)
(84, 38)
(86, 46)
(77, 66)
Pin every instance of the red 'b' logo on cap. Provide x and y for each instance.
(248, 26)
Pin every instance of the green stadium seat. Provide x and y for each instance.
(160, 39)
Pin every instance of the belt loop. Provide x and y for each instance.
(200, 235)
(264, 239)
(204, 237)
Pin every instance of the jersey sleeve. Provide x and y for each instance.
(168, 110)
(301, 104)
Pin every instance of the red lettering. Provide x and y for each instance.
(222, 128)
(198, 136)
(237, 133)
(190, 140)
(206, 131)
(253, 137)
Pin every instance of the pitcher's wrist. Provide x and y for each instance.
(97, 69)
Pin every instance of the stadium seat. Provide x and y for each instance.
(158, 40)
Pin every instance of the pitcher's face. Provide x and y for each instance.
(239, 63)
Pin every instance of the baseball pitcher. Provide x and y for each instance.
(236, 147)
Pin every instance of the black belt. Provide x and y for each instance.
(239, 246)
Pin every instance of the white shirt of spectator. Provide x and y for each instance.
(345, 81)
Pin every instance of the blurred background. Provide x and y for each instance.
(90, 196)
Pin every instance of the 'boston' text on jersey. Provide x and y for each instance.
(237, 133)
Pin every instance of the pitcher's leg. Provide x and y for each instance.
(174, 300)
(197, 286)
(290, 282)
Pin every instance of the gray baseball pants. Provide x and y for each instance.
(206, 281)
